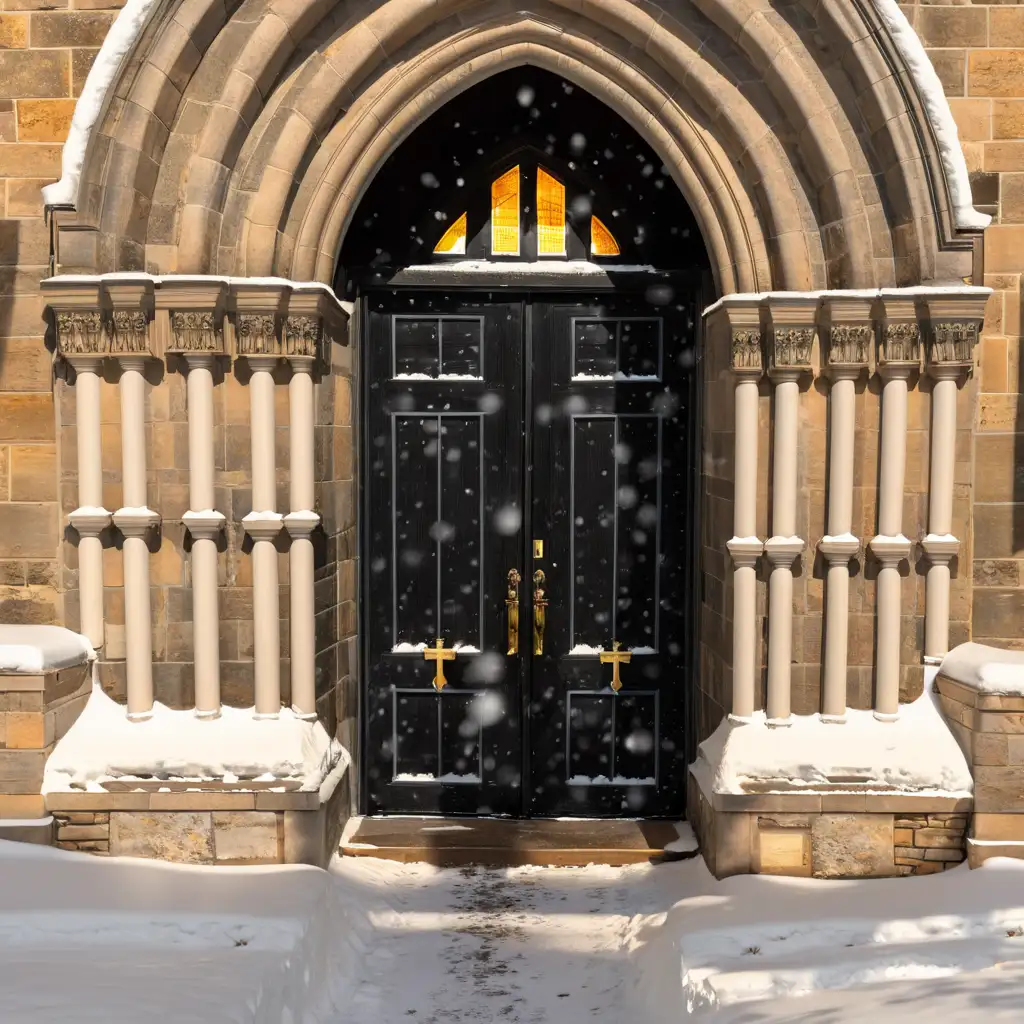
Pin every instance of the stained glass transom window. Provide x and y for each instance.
(550, 215)
(505, 214)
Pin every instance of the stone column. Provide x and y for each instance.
(191, 314)
(135, 520)
(260, 312)
(954, 328)
(205, 524)
(303, 346)
(848, 330)
(90, 519)
(745, 547)
(790, 338)
(899, 359)
(83, 339)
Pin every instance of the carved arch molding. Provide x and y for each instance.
(238, 138)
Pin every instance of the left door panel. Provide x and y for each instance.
(443, 484)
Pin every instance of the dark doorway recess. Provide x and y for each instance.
(529, 446)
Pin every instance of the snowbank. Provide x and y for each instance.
(781, 941)
(917, 753)
(989, 670)
(33, 650)
(119, 940)
(104, 745)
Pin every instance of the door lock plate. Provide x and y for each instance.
(538, 549)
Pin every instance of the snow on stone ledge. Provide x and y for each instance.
(104, 745)
(33, 650)
(916, 754)
(988, 670)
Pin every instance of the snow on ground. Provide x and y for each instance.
(114, 940)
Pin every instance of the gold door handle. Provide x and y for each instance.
(540, 614)
(512, 604)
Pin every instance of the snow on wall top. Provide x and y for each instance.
(31, 650)
(916, 754)
(104, 744)
(988, 670)
(134, 17)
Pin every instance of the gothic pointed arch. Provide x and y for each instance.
(234, 143)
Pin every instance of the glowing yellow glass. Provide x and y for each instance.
(602, 241)
(505, 214)
(453, 241)
(550, 215)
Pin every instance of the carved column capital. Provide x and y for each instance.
(131, 301)
(955, 318)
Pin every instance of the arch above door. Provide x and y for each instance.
(810, 153)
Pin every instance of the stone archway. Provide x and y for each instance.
(234, 145)
(240, 144)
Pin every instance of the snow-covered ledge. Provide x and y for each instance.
(916, 755)
(105, 747)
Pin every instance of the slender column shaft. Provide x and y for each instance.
(745, 505)
(200, 432)
(787, 402)
(890, 546)
(840, 545)
(262, 427)
(204, 524)
(894, 456)
(300, 523)
(745, 548)
(134, 520)
(133, 435)
(90, 518)
(940, 545)
(783, 547)
(263, 525)
(943, 456)
(840, 482)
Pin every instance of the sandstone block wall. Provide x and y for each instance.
(46, 50)
(978, 52)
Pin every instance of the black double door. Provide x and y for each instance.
(529, 482)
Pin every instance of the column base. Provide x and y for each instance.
(135, 522)
(90, 522)
(266, 716)
(205, 524)
(882, 716)
(139, 716)
(840, 548)
(779, 723)
(301, 524)
(304, 716)
(745, 551)
(740, 719)
(206, 716)
(890, 549)
(834, 719)
(783, 551)
(940, 548)
(263, 525)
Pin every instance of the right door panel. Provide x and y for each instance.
(612, 484)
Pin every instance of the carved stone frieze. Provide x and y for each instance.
(953, 341)
(257, 334)
(82, 332)
(849, 344)
(303, 336)
(130, 331)
(198, 331)
(901, 342)
(790, 347)
(746, 349)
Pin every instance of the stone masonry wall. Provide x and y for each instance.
(46, 50)
(978, 52)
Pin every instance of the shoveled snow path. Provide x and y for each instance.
(525, 945)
